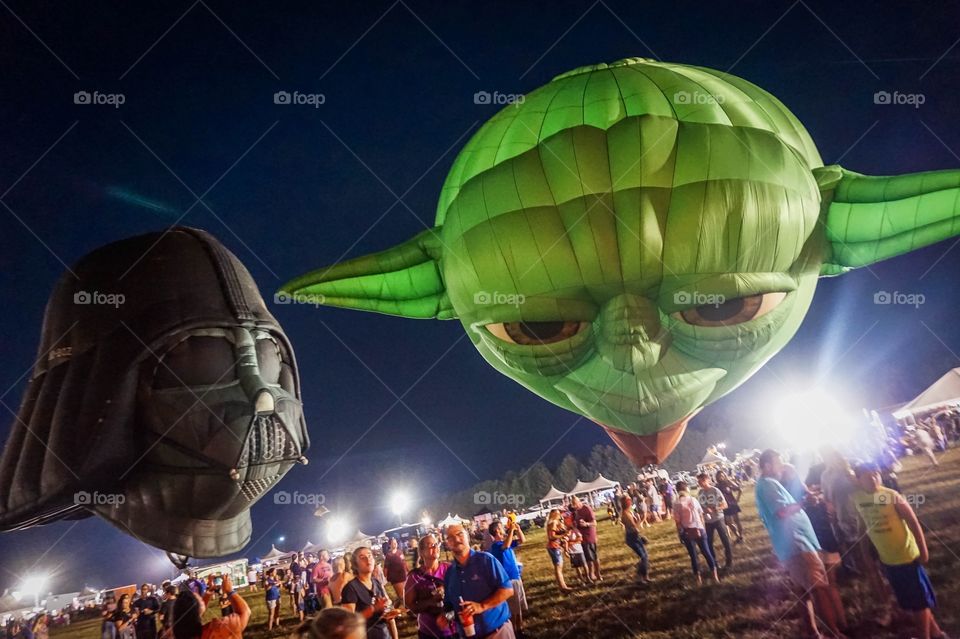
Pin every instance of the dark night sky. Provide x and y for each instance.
(293, 187)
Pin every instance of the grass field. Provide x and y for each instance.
(752, 601)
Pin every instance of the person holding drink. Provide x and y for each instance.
(477, 588)
(366, 596)
(424, 589)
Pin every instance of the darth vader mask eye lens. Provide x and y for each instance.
(196, 361)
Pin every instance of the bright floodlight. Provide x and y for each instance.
(33, 585)
(337, 529)
(814, 418)
(399, 503)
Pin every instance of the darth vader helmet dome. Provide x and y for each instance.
(165, 398)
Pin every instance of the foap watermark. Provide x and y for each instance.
(99, 99)
(313, 299)
(698, 298)
(297, 98)
(96, 298)
(496, 498)
(914, 499)
(899, 299)
(697, 97)
(96, 498)
(486, 97)
(897, 98)
(296, 498)
(487, 298)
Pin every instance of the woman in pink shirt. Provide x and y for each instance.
(688, 515)
(423, 591)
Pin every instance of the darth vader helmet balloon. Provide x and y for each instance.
(165, 399)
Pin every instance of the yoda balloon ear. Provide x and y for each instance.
(404, 280)
(869, 219)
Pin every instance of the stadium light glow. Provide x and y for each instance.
(399, 503)
(807, 420)
(337, 530)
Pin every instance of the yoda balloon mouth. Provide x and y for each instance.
(634, 240)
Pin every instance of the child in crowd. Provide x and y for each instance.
(575, 551)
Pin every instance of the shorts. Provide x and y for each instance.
(911, 586)
(556, 556)
(655, 508)
(577, 560)
(730, 511)
(590, 551)
(272, 603)
(831, 563)
(807, 571)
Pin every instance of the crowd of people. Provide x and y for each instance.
(842, 519)
(846, 519)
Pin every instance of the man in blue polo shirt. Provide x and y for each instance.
(480, 580)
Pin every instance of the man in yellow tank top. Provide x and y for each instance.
(896, 534)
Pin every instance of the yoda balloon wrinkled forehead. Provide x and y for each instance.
(635, 239)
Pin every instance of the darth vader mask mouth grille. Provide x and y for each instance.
(268, 441)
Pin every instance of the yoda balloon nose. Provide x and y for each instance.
(635, 239)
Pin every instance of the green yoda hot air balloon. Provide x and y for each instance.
(635, 239)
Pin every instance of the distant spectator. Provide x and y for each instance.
(577, 560)
(586, 523)
(320, 578)
(688, 515)
(924, 443)
(556, 541)
(634, 540)
(271, 595)
(731, 494)
(341, 577)
(713, 503)
(902, 546)
(395, 567)
(795, 545)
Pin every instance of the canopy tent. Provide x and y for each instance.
(312, 547)
(599, 484)
(942, 393)
(711, 459)
(553, 495)
(275, 556)
(450, 520)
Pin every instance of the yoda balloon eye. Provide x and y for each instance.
(533, 333)
(731, 312)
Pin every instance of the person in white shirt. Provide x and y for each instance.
(688, 515)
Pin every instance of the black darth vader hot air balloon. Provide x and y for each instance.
(165, 398)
